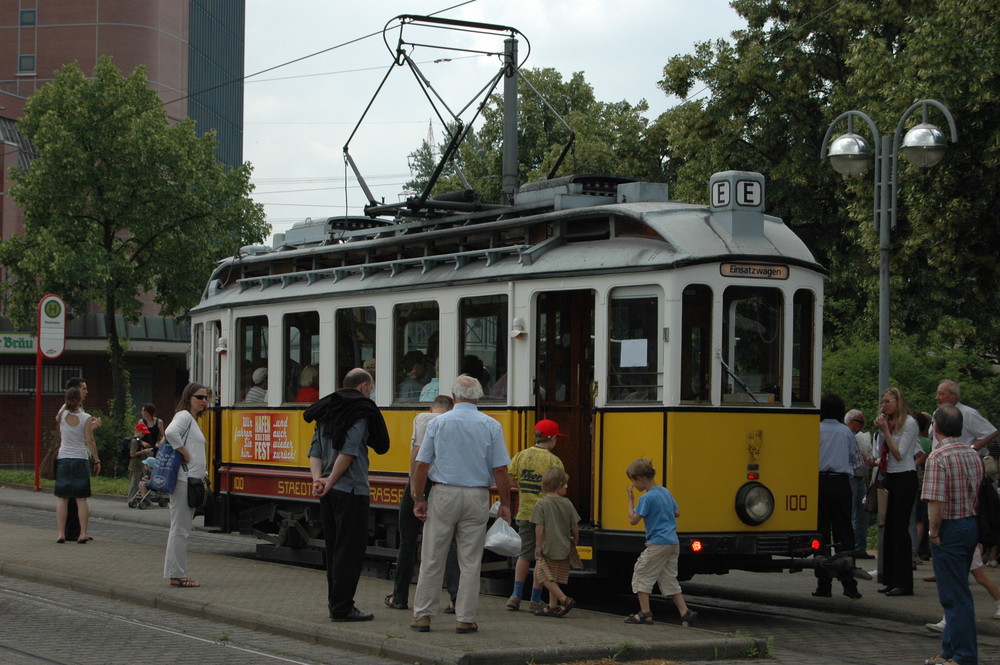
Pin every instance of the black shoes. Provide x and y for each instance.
(899, 591)
(884, 589)
(822, 593)
(852, 593)
(354, 615)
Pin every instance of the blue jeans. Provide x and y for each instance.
(951, 560)
(859, 516)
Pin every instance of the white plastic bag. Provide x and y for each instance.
(502, 539)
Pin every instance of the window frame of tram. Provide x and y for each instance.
(635, 316)
(355, 332)
(300, 338)
(761, 307)
(252, 334)
(803, 345)
(483, 349)
(415, 349)
(696, 344)
(198, 353)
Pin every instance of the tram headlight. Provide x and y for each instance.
(754, 503)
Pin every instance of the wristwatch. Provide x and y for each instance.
(422, 497)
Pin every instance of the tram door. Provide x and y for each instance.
(564, 375)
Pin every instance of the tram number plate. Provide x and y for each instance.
(796, 502)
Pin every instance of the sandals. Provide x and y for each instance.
(689, 618)
(185, 582)
(390, 602)
(640, 618)
(548, 611)
(566, 605)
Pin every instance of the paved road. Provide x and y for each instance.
(732, 607)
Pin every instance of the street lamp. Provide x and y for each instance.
(923, 145)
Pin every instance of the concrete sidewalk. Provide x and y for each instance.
(291, 601)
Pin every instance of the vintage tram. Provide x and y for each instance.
(688, 334)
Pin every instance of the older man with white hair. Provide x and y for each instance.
(463, 454)
(976, 430)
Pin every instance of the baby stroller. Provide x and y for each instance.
(143, 495)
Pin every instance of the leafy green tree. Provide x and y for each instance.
(918, 367)
(774, 90)
(610, 137)
(119, 203)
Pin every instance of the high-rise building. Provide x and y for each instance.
(193, 54)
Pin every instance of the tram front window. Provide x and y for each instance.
(803, 336)
(752, 345)
(484, 344)
(634, 363)
(696, 344)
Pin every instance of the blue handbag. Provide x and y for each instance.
(163, 478)
(164, 475)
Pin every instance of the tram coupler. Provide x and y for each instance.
(841, 562)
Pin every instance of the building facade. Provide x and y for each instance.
(193, 54)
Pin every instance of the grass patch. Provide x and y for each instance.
(98, 484)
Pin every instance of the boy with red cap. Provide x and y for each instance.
(526, 471)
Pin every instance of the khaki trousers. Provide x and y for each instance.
(460, 513)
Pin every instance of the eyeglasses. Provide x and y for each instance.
(200, 396)
(859, 421)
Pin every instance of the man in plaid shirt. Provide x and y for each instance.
(951, 487)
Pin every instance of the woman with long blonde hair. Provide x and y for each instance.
(897, 433)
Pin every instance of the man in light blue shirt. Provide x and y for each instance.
(837, 456)
(464, 454)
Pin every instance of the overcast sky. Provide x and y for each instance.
(298, 117)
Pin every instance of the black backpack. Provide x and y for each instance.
(988, 515)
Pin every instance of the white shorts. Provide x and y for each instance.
(657, 565)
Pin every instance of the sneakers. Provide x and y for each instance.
(534, 607)
(513, 603)
(421, 624)
(937, 627)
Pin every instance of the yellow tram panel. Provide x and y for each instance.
(624, 436)
(707, 458)
(710, 455)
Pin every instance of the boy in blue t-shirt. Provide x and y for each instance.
(657, 564)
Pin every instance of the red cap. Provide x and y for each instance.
(141, 427)
(547, 429)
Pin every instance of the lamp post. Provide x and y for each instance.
(923, 145)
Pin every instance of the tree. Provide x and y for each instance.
(610, 137)
(117, 204)
(775, 89)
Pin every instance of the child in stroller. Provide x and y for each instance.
(143, 495)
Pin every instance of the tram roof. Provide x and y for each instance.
(521, 242)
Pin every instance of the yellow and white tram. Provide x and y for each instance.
(688, 334)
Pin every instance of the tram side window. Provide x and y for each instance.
(301, 358)
(251, 368)
(696, 344)
(198, 354)
(752, 343)
(415, 349)
(803, 343)
(633, 362)
(484, 344)
(355, 331)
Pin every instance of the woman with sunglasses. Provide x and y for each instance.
(185, 436)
